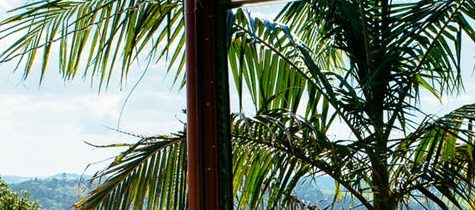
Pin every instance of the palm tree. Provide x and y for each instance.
(362, 62)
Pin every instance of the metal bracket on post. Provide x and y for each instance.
(208, 126)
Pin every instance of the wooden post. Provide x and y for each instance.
(208, 126)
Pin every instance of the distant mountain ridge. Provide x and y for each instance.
(56, 192)
(9, 179)
(61, 191)
(14, 179)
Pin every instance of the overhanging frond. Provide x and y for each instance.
(94, 38)
(149, 175)
(152, 175)
(439, 159)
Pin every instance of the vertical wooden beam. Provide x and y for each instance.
(208, 131)
(192, 107)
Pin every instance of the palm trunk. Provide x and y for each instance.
(383, 198)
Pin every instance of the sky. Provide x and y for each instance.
(43, 128)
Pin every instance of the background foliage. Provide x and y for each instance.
(10, 200)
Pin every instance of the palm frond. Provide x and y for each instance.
(419, 47)
(438, 159)
(279, 68)
(151, 174)
(95, 37)
(294, 142)
(263, 62)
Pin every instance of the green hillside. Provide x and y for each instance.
(60, 191)
(52, 193)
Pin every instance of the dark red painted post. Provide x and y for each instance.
(192, 135)
(208, 131)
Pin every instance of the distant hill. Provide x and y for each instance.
(15, 179)
(69, 176)
(57, 192)
(61, 191)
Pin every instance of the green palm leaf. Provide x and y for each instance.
(150, 174)
(438, 159)
(96, 37)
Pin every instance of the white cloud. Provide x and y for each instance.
(42, 131)
(5, 5)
